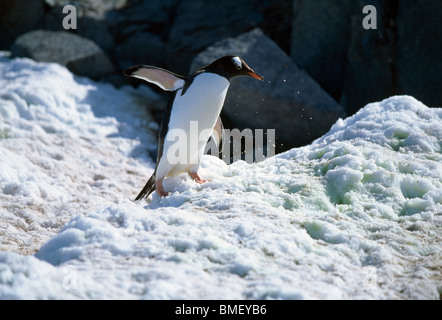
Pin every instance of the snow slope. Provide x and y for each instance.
(355, 215)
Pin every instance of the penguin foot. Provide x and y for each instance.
(160, 189)
(196, 177)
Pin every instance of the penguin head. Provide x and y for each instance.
(232, 67)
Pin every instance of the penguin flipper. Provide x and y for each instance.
(148, 188)
(164, 79)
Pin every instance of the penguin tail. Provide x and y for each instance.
(148, 189)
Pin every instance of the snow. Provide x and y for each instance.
(355, 215)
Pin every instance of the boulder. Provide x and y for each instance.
(80, 55)
(92, 22)
(288, 100)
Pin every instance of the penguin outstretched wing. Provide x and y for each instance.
(166, 80)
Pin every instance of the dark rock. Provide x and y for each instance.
(186, 27)
(419, 50)
(371, 58)
(80, 55)
(319, 41)
(18, 17)
(87, 27)
(91, 21)
(141, 30)
(140, 48)
(277, 23)
(400, 57)
(96, 8)
(153, 16)
(288, 100)
(199, 24)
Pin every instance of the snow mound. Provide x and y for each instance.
(354, 215)
(63, 139)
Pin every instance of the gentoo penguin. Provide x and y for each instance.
(191, 117)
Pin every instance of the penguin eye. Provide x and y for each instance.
(237, 62)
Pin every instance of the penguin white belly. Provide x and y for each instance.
(191, 123)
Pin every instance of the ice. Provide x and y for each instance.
(354, 215)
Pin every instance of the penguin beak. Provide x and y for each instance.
(253, 74)
(249, 71)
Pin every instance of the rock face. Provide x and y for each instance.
(288, 100)
(319, 42)
(80, 55)
(419, 50)
(140, 48)
(371, 64)
(18, 17)
(189, 34)
(357, 66)
(324, 38)
(170, 33)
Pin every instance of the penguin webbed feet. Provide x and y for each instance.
(160, 188)
(163, 193)
(197, 178)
